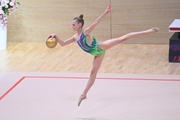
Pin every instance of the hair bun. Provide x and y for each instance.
(81, 16)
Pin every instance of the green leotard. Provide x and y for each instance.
(92, 48)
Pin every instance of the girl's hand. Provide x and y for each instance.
(108, 9)
(51, 36)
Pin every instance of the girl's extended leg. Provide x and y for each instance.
(112, 42)
(96, 65)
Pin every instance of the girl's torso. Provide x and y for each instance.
(88, 45)
(88, 38)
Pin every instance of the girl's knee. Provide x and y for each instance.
(127, 36)
(123, 38)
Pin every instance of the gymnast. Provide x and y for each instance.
(91, 46)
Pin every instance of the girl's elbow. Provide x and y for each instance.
(63, 44)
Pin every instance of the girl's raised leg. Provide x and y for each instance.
(112, 42)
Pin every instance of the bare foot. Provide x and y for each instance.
(82, 97)
(155, 29)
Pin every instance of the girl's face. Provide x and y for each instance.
(75, 25)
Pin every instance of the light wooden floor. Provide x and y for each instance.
(122, 59)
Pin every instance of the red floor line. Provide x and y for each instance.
(12, 88)
(76, 77)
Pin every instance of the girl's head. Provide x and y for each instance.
(77, 22)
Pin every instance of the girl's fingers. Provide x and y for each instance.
(109, 6)
(49, 36)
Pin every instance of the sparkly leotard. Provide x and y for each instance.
(92, 48)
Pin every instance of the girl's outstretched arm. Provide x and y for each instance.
(61, 42)
(88, 30)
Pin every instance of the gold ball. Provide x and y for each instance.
(51, 42)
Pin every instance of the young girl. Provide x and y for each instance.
(91, 46)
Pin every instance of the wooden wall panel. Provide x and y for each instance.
(128, 16)
(36, 19)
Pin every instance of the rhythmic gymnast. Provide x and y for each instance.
(90, 45)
